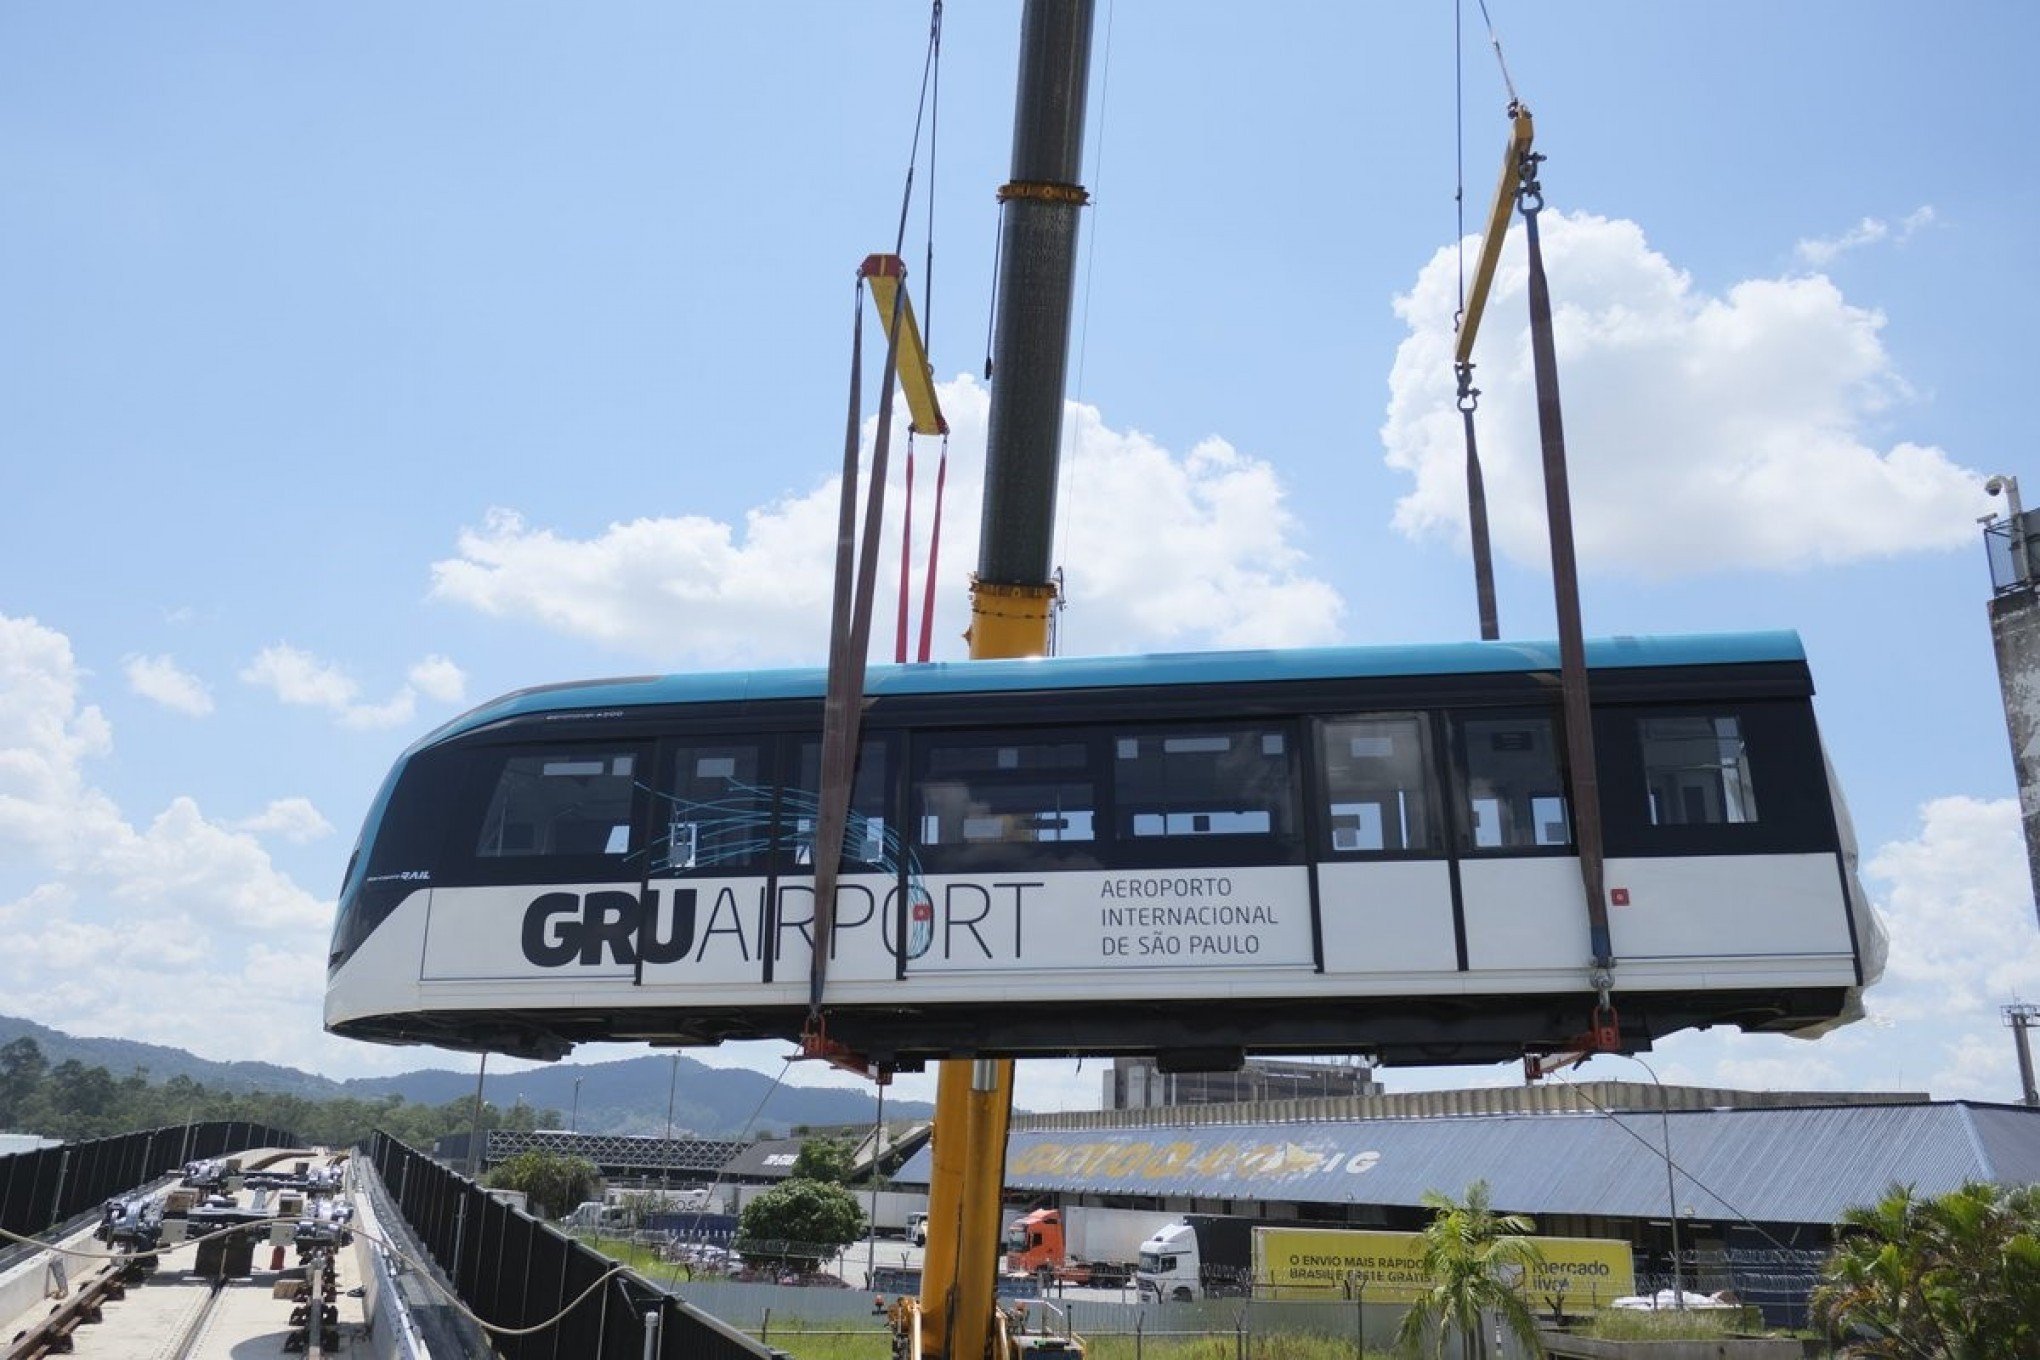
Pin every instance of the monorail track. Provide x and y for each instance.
(170, 1310)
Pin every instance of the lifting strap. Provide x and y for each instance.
(1476, 512)
(849, 640)
(1579, 732)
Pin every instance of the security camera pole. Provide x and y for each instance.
(2015, 635)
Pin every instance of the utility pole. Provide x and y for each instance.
(475, 1125)
(2019, 1018)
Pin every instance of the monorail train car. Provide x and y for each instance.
(1357, 849)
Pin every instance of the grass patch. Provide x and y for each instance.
(1672, 1324)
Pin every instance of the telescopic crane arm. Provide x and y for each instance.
(1011, 594)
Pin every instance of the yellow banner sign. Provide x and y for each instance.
(1321, 1263)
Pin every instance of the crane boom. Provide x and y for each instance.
(1010, 598)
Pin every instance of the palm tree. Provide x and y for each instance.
(1951, 1278)
(1476, 1258)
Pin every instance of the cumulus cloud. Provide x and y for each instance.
(1823, 251)
(161, 680)
(299, 678)
(1963, 936)
(118, 927)
(1164, 550)
(1703, 433)
(294, 819)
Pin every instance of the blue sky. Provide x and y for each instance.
(363, 362)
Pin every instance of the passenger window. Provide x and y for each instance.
(1696, 771)
(1203, 783)
(561, 803)
(1515, 796)
(981, 791)
(868, 839)
(1378, 785)
(715, 810)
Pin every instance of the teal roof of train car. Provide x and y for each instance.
(1112, 672)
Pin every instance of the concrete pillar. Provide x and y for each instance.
(2015, 635)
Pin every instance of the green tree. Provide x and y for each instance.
(800, 1222)
(1476, 1259)
(1951, 1278)
(22, 1066)
(824, 1159)
(554, 1183)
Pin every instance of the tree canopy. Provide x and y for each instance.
(801, 1221)
(824, 1159)
(1950, 1278)
(555, 1183)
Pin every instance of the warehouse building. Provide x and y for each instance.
(1750, 1190)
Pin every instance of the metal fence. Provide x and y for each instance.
(517, 1273)
(47, 1187)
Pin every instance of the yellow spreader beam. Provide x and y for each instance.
(1520, 133)
(885, 274)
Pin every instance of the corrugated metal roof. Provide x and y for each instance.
(769, 1158)
(1770, 1165)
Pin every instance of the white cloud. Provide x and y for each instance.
(439, 679)
(297, 677)
(159, 678)
(1823, 251)
(182, 930)
(1703, 433)
(1165, 550)
(294, 819)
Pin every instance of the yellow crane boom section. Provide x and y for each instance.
(1520, 133)
(885, 274)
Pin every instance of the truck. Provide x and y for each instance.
(1081, 1244)
(1197, 1256)
(1204, 1256)
(592, 1215)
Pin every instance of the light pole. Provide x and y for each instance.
(2021, 1016)
(475, 1126)
(574, 1119)
(1671, 1186)
(666, 1152)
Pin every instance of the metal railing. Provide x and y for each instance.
(527, 1280)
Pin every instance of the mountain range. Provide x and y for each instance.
(628, 1095)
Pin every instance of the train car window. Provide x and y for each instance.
(1378, 795)
(1717, 778)
(714, 813)
(562, 802)
(1005, 790)
(1696, 771)
(1198, 784)
(869, 841)
(1514, 798)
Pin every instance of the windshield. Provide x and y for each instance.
(1016, 1235)
(1154, 1263)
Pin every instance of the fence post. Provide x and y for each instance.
(57, 1195)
